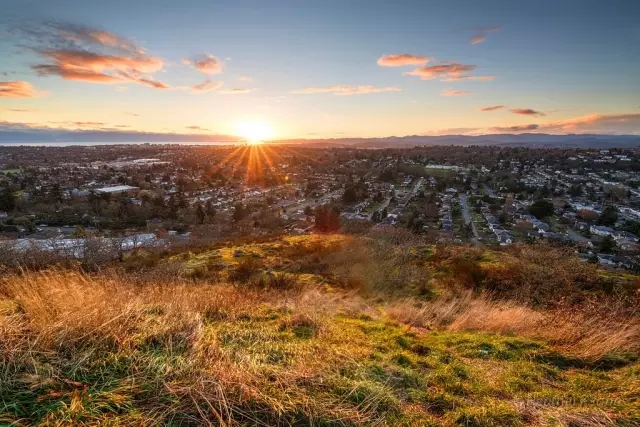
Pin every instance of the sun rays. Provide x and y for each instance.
(254, 131)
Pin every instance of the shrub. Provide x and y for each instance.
(244, 270)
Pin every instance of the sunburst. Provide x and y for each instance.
(254, 131)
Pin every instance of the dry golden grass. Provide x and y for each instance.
(165, 348)
(584, 334)
(160, 334)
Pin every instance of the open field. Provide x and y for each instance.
(7, 171)
(439, 173)
(322, 330)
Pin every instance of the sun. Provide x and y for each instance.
(254, 131)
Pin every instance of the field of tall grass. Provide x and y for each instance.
(322, 330)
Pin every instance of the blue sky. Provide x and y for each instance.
(554, 66)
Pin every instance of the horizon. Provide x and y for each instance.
(309, 72)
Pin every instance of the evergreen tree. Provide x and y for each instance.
(200, 213)
(7, 200)
(239, 212)
(608, 245)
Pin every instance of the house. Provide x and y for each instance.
(601, 230)
(504, 238)
(606, 260)
(624, 235)
(542, 227)
(627, 245)
(79, 194)
(581, 225)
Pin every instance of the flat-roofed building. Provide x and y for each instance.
(118, 189)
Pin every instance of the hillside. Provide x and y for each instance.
(326, 330)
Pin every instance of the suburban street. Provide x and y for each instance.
(467, 217)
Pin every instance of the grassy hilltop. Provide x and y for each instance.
(323, 330)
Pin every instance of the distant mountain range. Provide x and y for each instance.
(31, 135)
(517, 140)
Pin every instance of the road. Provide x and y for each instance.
(382, 206)
(414, 191)
(467, 217)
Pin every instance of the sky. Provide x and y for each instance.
(299, 69)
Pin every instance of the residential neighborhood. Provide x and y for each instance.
(586, 198)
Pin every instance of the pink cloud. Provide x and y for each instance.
(450, 92)
(442, 70)
(401, 60)
(93, 55)
(517, 128)
(526, 112)
(96, 56)
(206, 86)
(236, 91)
(590, 123)
(481, 34)
(473, 78)
(491, 108)
(89, 124)
(198, 128)
(18, 89)
(99, 62)
(71, 72)
(206, 64)
(87, 35)
(347, 90)
(598, 122)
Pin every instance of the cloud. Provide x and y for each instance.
(590, 123)
(450, 92)
(206, 64)
(491, 108)
(452, 131)
(442, 70)
(18, 89)
(206, 86)
(89, 124)
(91, 55)
(16, 110)
(402, 59)
(198, 128)
(474, 78)
(527, 112)
(79, 59)
(347, 90)
(518, 128)
(610, 123)
(87, 35)
(245, 79)
(236, 91)
(35, 132)
(481, 34)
